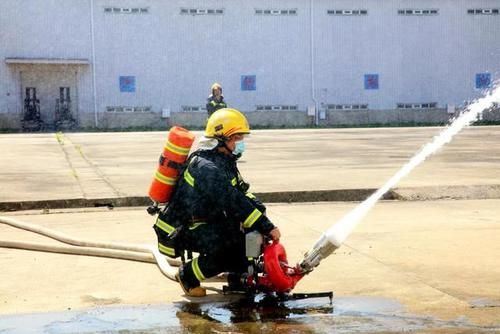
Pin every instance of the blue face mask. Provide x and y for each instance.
(239, 148)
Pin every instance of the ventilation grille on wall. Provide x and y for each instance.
(483, 11)
(128, 109)
(276, 107)
(347, 106)
(202, 11)
(347, 12)
(429, 105)
(126, 10)
(418, 12)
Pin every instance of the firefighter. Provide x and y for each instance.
(212, 209)
(216, 100)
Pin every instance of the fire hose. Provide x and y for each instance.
(279, 276)
(134, 252)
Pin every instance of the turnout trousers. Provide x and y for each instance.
(221, 248)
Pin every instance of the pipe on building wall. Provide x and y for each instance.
(313, 76)
(94, 86)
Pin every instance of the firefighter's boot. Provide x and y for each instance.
(196, 291)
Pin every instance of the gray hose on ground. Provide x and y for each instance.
(108, 249)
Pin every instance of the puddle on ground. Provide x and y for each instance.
(315, 315)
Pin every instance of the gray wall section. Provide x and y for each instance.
(175, 58)
(418, 58)
(43, 29)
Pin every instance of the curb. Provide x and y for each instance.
(425, 193)
(266, 197)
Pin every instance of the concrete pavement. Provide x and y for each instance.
(39, 167)
(436, 257)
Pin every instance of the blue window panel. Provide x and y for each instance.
(483, 80)
(248, 82)
(127, 84)
(371, 81)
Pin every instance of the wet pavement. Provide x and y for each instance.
(344, 315)
(422, 265)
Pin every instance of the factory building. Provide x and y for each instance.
(148, 63)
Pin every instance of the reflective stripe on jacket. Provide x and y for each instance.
(213, 105)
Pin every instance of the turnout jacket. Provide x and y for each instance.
(213, 105)
(210, 191)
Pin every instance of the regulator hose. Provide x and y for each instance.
(134, 252)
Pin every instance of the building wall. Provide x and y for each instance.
(174, 57)
(55, 29)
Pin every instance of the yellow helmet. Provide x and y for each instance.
(216, 86)
(226, 122)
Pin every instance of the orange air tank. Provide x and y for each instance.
(175, 153)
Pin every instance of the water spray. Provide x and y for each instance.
(335, 236)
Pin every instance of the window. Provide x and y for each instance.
(201, 11)
(483, 11)
(126, 10)
(347, 12)
(276, 12)
(142, 109)
(277, 107)
(427, 105)
(193, 108)
(357, 106)
(418, 12)
(128, 109)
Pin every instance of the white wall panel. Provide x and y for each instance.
(176, 57)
